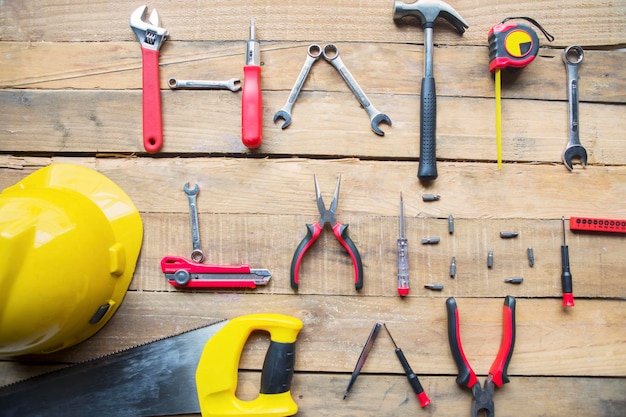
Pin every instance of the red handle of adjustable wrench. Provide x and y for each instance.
(251, 107)
(152, 121)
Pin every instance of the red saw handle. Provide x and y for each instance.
(152, 122)
(251, 107)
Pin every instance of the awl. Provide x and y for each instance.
(181, 272)
(251, 98)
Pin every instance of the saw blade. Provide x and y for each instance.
(155, 379)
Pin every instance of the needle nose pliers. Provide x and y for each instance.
(339, 230)
(483, 397)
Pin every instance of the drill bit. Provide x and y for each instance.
(403, 256)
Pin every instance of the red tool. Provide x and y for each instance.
(566, 275)
(151, 37)
(588, 224)
(251, 98)
(483, 397)
(339, 230)
(181, 272)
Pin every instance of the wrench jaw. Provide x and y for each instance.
(572, 153)
(149, 34)
(378, 119)
(282, 114)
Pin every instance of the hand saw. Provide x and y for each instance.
(192, 372)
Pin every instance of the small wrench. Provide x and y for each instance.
(196, 254)
(234, 84)
(313, 54)
(572, 57)
(331, 54)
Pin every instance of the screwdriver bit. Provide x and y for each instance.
(453, 267)
(430, 197)
(514, 280)
(508, 235)
(490, 258)
(531, 256)
(434, 287)
(450, 224)
(430, 241)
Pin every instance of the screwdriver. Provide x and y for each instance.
(403, 256)
(566, 276)
(413, 380)
(251, 99)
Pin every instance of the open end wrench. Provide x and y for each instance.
(313, 54)
(150, 37)
(234, 84)
(331, 54)
(572, 57)
(196, 254)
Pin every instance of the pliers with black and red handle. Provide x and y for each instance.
(315, 230)
(483, 396)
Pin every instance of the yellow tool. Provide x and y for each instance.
(216, 376)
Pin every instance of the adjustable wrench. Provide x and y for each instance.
(331, 54)
(572, 57)
(196, 254)
(150, 37)
(313, 54)
(234, 84)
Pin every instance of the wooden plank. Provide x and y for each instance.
(550, 341)
(459, 71)
(109, 121)
(571, 22)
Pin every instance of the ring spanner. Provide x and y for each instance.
(197, 254)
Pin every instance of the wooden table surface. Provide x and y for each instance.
(70, 79)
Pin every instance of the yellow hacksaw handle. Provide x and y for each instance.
(217, 373)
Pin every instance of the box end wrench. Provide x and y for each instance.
(331, 54)
(313, 53)
(151, 37)
(196, 255)
(234, 84)
(572, 57)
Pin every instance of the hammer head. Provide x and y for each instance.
(426, 11)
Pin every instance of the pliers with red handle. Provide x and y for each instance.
(315, 230)
(483, 397)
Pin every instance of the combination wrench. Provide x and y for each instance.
(313, 54)
(572, 57)
(196, 254)
(234, 84)
(331, 54)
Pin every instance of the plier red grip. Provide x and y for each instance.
(315, 230)
(483, 397)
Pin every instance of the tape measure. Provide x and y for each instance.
(511, 45)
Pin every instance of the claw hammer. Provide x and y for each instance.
(427, 11)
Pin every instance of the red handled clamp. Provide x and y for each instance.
(151, 37)
(315, 230)
(483, 397)
(181, 272)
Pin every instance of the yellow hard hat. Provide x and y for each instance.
(69, 243)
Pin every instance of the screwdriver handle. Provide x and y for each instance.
(403, 267)
(427, 170)
(566, 278)
(413, 380)
(251, 107)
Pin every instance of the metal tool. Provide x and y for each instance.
(403, 256)
(183, 273)
(362, 357)
(490, 258)
(572, 57)
(451, 224)
(531, 257)
(453, 267)
(313, 53)
(482, 396)
(411, 376)
(427, 11)
(196, 254)
(508, 235)
(430, 241)
(431, 197)
(434, 287)
(331, 54)
(251, 97)
(327, 216)
(188, 373)
(566, 275)
(151, 37)
(514, 280)
(234, 84)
